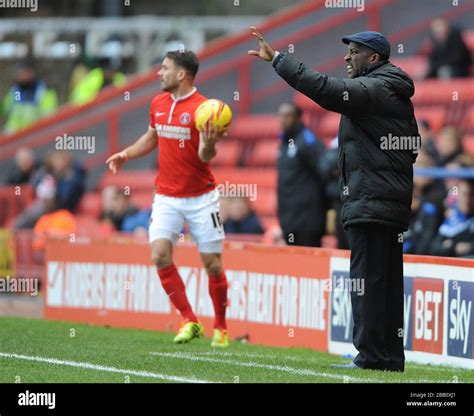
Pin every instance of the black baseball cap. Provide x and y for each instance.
(373, 40)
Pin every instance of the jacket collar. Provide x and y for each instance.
(373, 67)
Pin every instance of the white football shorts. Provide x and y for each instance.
(201, 213)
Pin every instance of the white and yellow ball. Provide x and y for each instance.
(215, 110)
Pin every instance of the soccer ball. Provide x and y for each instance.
(215, 110)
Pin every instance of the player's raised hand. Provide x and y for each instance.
(266, 52)
(116, 161)
(210, 135)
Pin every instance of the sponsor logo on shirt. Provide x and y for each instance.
(173, 132)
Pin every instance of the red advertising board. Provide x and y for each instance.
(277, 295)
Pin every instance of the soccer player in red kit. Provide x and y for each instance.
(185, 191)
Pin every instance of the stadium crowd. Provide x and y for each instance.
(442, 220)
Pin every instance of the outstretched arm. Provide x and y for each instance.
(335, 94)
(144, 145)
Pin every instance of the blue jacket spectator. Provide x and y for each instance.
(71, 180)
(456, 234)
(134, 221)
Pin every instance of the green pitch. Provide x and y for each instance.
(33, 351)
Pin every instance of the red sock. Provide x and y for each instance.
(218, 291)
(174, 287)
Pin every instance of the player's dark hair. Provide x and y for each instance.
(186, 60)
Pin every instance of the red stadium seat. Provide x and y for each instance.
(228, 153)
(266, 202)
(414, 66)
(136, 180)
(91, 204)
(264, 153)
(435, 115)
(142, 200)
(306, 104)
(443, 91)
(329, 125)
(255, 127)
(87, 226)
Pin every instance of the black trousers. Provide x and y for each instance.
(302, 238)
(377, 309)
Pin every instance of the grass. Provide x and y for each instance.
(61, 352)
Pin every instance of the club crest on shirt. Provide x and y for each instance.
(185, 119)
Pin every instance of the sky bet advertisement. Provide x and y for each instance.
(438, 313)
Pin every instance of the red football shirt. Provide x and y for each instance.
(181, 172)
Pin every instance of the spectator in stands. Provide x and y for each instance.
(456, 235)
(44, 185)
(431, 190)
(330, 174)
(427, 209)
(301, 193)
(108, 195)
(449, 145)
(89, 86)
(427, 140)
(451, 183)
(28, 99)
(138, 222)
(25, 167)
(70, 178)
(117, 208)
(240, 218)
(58, 224)
(449, 56)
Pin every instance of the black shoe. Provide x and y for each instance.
(348, 366)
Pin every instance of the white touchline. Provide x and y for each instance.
(252, 364)
(311, 360)
(97, 367)
(205, 357)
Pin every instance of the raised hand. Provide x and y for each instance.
(211, 135)
(116, 161)
(266, 52)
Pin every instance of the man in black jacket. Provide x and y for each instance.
(301, 196)
(378, 144)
